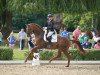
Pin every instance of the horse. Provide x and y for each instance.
(62, 44)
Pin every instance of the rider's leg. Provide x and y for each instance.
(49, 39)
(47, 34)
(50, 33)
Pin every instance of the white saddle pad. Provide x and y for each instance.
(54, 36)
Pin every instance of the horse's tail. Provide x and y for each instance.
(80, 48)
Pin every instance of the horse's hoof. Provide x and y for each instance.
(25, 61)
(49, 61)
(67, 66)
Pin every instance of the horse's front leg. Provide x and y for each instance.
(31, 52)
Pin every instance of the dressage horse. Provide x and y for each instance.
(62, 44)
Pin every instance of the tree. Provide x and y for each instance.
(19, 20)
(8, 7)
(6, 18)
(71, 21)
(55, 6)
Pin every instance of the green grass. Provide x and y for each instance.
(19, 54)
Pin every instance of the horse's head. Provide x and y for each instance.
(33, 28)
(29, 30)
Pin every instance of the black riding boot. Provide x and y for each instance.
(49, 41)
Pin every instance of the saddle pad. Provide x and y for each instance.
(54, 37)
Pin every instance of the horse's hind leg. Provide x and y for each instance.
(67, 55)
(58, 55)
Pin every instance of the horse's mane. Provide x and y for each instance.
(37, 26)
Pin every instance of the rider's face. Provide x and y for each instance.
(50, 18)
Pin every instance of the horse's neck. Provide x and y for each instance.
(39, 34)
(37, 30)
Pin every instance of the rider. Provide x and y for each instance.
(50, 28)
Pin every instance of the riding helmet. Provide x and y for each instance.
(50, 15)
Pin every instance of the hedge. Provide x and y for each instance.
(75, 55)
(90, 55)
(6, 53)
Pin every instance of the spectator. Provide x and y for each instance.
(21, 39)
(85, 36)
(1, 38)
(86, 44)
(11, 40)
(65, 33)
(31, 41)
(97, 46)
(76, 33)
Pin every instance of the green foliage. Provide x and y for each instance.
(90, 55)
(26, 7)
(86, 19)
(19, 54)
(6, 53)
(71, 21)
(44, 55)
(19, 21)
(75, 55)
(97, 21)
(47, 55)
(9, 54)
(69, 6)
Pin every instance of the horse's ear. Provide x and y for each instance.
(26, 25)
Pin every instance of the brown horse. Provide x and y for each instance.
(62, 43)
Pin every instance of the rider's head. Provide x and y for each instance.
(50, 17)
